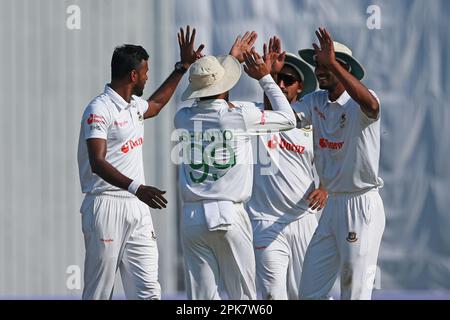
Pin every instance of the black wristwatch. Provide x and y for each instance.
(180, 68)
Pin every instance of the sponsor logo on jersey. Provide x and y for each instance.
(131, 144)
(93, 118)
(320, 113)
(284, 144)
(120, 124)
(326, 144)
(351, 237)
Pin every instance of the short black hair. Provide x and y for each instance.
(126, 58)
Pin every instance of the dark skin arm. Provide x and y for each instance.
(162, 95)
(153, 197)
(325, 55)
(274, 58)
(243, 45)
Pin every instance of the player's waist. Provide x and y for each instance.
(201, 203)
(353, 193)
(111, 193)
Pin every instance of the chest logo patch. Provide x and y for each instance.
(140, 117)
(343, 121)
(351, 237)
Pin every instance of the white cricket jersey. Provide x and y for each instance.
(346, 142)
(283, 176)
(111, 118)
(219, 163)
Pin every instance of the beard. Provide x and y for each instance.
(138, 90)
(324, 86)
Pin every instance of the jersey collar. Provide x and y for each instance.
(343, 99)
(117, 99)
(211, 104)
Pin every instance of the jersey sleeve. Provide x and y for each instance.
(303, 110)
(279, 119)
(96, 121)
(142, 104)
(365, 120)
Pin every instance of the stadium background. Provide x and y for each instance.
(50, 73)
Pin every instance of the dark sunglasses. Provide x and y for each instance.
(287, 79)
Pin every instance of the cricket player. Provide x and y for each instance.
(215, 229)
(346, 120)
(116, 221)
(284, 198)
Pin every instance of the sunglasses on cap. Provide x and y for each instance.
(287, 79)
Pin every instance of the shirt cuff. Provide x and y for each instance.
(266, 80)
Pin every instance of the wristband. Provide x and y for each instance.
(134, 186)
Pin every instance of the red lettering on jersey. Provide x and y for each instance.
(263, 118)
(93, 118)
(326, 144)
(284, 144)
(320, 113)
(121, 124)
(131, 144)
(273, 143)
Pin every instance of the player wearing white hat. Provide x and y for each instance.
(116, 221)
(216, 231)
(284, 198)
(346, 120)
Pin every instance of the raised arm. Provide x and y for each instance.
(282, 118)
(273, 57)
(325, 55)
(243, 45)
(188, 56)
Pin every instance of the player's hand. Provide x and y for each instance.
(151, 196)
(254, 65)
(186, 43)
(325, 54)
(273, 55)
(243, 45)
(317, 199)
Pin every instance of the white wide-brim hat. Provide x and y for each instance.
(343, 54)
(210, 76)
(305, 72)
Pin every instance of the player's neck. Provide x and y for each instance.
(336, 92)
(123, 90)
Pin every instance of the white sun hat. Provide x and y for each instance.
(210, 76)
(343, 54)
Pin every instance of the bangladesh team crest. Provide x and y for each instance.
(352, 237)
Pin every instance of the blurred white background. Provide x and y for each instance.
(54, 61)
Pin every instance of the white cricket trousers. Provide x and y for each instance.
(347, 240)
(280, 251)
(216, 260)
(118, 234)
